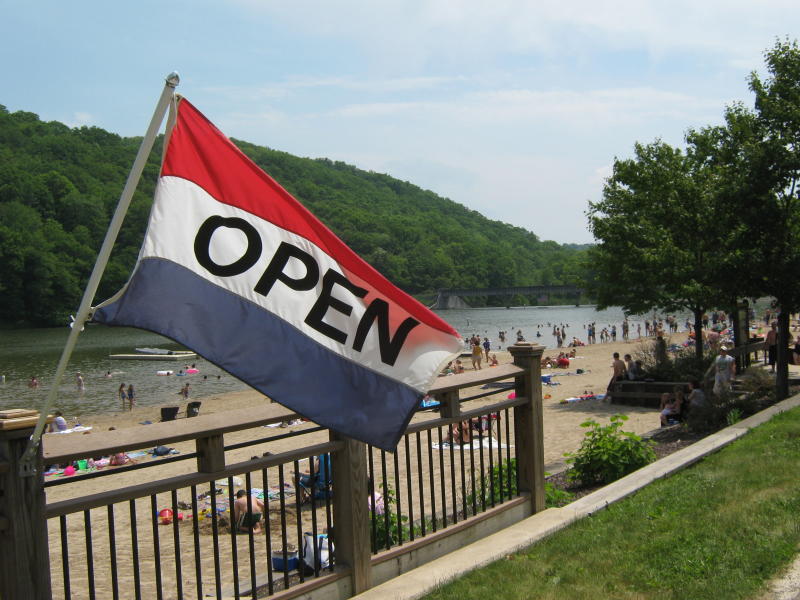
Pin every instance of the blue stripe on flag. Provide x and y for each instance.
(264, 351)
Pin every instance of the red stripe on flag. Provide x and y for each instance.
(201, 153)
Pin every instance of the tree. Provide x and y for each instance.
(760, 151)
(654, 247)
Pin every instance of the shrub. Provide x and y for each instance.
(499, 482)
(398, 524)
(608, 453)
(756, 392)
(681, 365)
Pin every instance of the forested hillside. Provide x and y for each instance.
(59, 186)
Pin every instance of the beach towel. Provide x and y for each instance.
(583, 398)
(76, 429)
(474, 445)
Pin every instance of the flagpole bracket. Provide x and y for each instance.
(28, 463)
(173, 79)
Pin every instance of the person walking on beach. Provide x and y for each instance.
(772, 346)
(131, 397)
(122, 395)
(477, 354)
(487, 345)
(724, 367)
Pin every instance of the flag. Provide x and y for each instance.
(236, 269)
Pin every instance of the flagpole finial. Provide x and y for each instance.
(173, 79)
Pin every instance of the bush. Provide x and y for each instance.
(608, 453)
(681, 365)
(398, 524)
(499, 482)
(756, 392)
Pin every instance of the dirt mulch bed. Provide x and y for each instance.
(667, 440)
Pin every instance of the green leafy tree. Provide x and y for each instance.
(759, 151)
(51, 174)
(654, 247)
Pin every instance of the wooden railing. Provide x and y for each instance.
(122, 543)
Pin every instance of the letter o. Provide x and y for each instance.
(202, 244)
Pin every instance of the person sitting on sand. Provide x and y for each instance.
(697, 397)
(119, 459)
(461, 433)
(458, 367)
(670, 407)
(563, 361)
(59, 423)
(244, 518)
(547, 362)
(379, 506)
(493, 361)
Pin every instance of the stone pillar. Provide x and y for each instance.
(24, 556)
(528, 422)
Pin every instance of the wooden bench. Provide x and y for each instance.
(643, 393)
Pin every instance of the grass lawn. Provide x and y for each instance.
(719, 529)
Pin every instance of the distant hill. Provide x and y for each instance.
(59, 186)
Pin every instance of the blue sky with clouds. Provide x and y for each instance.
(514, 109)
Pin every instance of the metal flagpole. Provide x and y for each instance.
(28, 461)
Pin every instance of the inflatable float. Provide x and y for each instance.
(164, 372)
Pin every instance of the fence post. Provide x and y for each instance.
(528, 422)
(210, 453)
(24, 558)
(351, 536)
(450, 407)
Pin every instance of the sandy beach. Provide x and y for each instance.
(562, 433)
(561, 421)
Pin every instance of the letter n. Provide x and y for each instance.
(389, 347)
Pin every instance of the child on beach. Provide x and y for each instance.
(131, 397)
(670, 407)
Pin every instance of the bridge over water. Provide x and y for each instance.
(452, 298)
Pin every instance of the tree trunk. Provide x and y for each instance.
(698, 334)
(782, 368)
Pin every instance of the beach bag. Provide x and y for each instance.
(161, 451)
(310, 549)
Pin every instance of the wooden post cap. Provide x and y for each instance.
(19, 418)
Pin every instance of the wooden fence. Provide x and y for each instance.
(376, 513)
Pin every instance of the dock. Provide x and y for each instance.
(179, 355)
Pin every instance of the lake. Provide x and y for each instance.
(27, 352)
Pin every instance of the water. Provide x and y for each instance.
(488, 322)
(27, 352)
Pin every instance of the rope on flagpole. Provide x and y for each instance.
(28, 460)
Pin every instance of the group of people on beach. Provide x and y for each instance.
(128, 396)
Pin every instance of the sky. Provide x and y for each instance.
(514, 109)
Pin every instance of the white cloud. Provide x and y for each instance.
(418, 32)
(79, 119)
